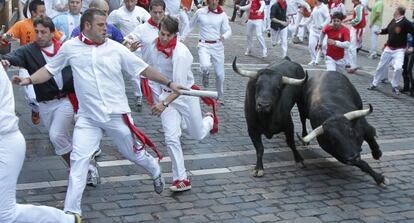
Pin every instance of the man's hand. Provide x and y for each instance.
(176, 87)
(157, 109)
(331, 42)
(258, 12)
(134, 46)
(5, 63)
(318, 46)
(21, 81)
(410, 50)
(377, 32)
(222, 38)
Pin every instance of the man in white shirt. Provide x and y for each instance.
(97, 64)
(173, 8)
(126, 18)
(141, 38)
(12, 153)
(173, 59)
(319, 18)
(68, 21)
(214, 28)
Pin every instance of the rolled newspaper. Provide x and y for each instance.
(199, 93)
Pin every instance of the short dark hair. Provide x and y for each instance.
(401, 10)
(157, 3)
(338, 15)
(221, 2)
(33, 5)
(46, 22)
(88, 16)
(169, 23)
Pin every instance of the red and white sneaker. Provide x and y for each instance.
(180, 185)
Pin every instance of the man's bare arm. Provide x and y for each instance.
(40, 76)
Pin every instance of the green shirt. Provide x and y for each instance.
(378, 8)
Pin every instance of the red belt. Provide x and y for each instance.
(208, 41)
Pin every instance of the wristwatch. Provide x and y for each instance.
(164, 103)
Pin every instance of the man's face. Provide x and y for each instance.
(40, 11)
(97, 30)
(396, 14)
(43, 36)
(165, 36)
(355, 2)
(212, 4)
(75, 6)
(157, 12)
(130, 4)
(336, 23)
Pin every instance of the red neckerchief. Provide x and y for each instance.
(87, 41)
(335, 4)
(282, 4)
(167, 50)
(152, 23)
(218, 10)
(56, 46)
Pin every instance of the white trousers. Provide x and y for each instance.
(86, 138)
(282, 35)
(267, 17)
(136, 85)
(255, 26)
(335, 65)
(388, 56)
(374, 38)
(213, 52)
(29, 93)
(313, 42)
(188, 109)
(58, 117)
(352, 56)
(12, 153)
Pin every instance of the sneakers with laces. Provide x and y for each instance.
(138, 103)
(205, 80)
(97, 153)
(396, 91)
(372, 87)
(159, 184)
(180, 185)
(93, 178)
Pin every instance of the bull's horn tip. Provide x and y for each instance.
(370, 108)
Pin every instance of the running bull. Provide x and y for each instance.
(270, 95)
(336, 114)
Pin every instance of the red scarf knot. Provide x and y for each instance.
(152, 23)
(87, 41)
(282, 4)
(56, 47)
(218, 10)
(169, 49)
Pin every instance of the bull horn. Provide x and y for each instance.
(313, 134)
(358, 113)
(293, 81)
(244, 73)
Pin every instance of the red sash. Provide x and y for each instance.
(146, 90)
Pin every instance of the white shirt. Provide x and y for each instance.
(172, 7)
(320, 17)
(58, 77)
(176, 68)
(211, 25)
(293, 5)
(97, 75)
(8, 120)
(126, 21)
(145, 34)
(339, 8)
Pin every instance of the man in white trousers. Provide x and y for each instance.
(300, 7)
(338, 38)
(214, 28)
(173, 59)
(279, 23)
(126, 18)
(394, 50)
(141, 38)
(174, 9)
(375, 23)
(319, 18)
(97, 64)
(12, 154)
(255, 24)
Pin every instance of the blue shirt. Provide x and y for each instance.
(410, 38)
(62, 23)
(113, 33)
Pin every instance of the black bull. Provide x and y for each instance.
(334, 108)
(270, 95)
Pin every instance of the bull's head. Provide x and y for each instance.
(268, 85)
(339, 133)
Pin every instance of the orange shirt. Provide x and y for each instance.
(24, 31)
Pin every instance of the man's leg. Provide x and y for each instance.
(398, 60)
(249, 33)
(382, 68)
(259, 35)
(136, 85)
(217, 53)
(204, 55)
(313, 41)
(374, 38)
(352, 50)
(198, 127)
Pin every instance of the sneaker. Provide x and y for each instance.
(159, 184)
(78, 218)
(384, 81)
(96, 153)
(396, 91)
(205, 80)
(373, 56)
(312, 63)
(264, 54)
(351, 70)
(372, 87)
(35, 118)
(268, 33)
(93, 178)
(180, 185)
(296, 40)
(138, 103)
(248, 52)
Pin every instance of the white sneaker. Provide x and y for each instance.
(312, 63)
(93, 178)
(248, 52)
(264, 54)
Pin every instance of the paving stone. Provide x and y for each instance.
(265, 218)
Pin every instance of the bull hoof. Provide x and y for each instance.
(377, 155)
(384, 183)
(258, 173)
(300, 164)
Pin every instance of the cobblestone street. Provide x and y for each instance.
(220, 166)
